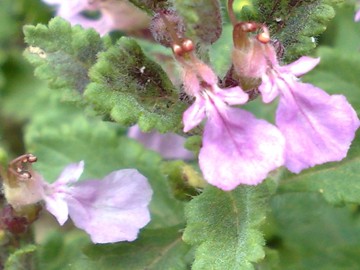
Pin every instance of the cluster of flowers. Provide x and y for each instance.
(110, 210)
(312, 127)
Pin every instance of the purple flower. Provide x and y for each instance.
(109, 210)
(318, 127)
(113, 15)
(357, 16)
(169, 145)
(237, 148)
(71, 10)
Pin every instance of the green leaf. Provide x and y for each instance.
(343, 32)
(296, 23)
(131, 88)
(21, 258)
(63, 251)
(338, 70)
(314, 235)
(63, 136)
(9, 24)
(63, 54)
(160, 249)
(338, 182)
(225, 227)
(23, 91)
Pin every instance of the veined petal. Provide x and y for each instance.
(55, 203)
(318, 128)
(70, 174)
(269, 89)
(113, 209)
(301, 66)
(194, 114)
(239, 149)
(232, 96)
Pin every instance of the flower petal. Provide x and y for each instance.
(194, 114)
(301, 66)
(269, 89)
(113, 209)
(318, 128)
(56, 205)
(169, 145)
(232, 96)
(357, 16)
(69, 8)
(70, 174)
(102, 25)
(239, 149)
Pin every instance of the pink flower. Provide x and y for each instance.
(357, 16)
(109, 210)
(169, 145)
(71, 10)
(318, 127)
(237, 148)
(114, 15)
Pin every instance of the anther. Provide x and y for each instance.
(25, 174)
(177, 49)
(187, 45)
(32, 158)
(263, 38)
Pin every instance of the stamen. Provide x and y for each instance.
(187, 45)
(25, 174)
(177, 49)
(32, 158)
(263, 38)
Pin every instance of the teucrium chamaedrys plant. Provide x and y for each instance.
(268, 134)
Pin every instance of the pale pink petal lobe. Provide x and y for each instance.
(303, 65)
(239, 149)
(70, 174)
(318, 128)
(57, 206)
(194, 114)
(233, 96)
(269, 88)
(113, 209)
